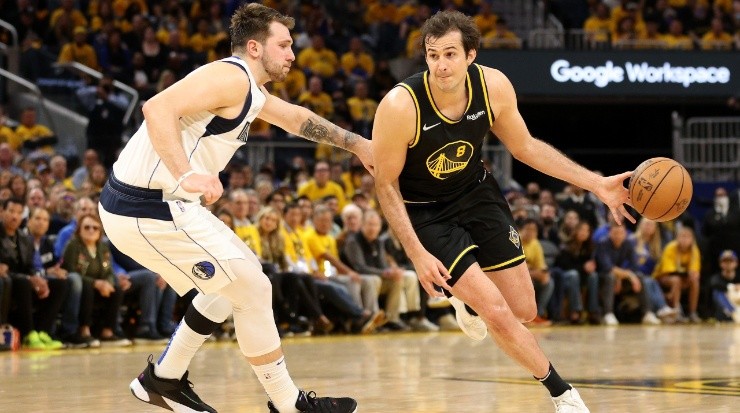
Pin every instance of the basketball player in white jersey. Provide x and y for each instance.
(151, 209)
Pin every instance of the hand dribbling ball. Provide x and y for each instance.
(660, 189)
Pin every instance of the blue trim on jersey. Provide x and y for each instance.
(131, 201)
(219, 125)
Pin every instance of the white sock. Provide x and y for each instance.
(176, 358)
(278, 385)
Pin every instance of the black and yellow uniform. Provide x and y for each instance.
(455, 206)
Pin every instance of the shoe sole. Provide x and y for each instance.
(138, 390)
(459, 310)
(373, 323)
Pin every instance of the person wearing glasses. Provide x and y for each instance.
(86, 254)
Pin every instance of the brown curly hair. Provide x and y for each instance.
(252, 22)
(447, 21)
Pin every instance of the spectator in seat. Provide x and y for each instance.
(726, 288)
(721, 226)
(89, 159)
(679, 270)
(32, 135)
(578, 266)
(362, 109)
(365, 253)
(535, 258)
(86, 254)
(300, 260)
(318, 60)
(155, 299)
(356, 63)
(323, 248)
(501, 37)
(616, 264)
(321, 185)
(79, 50)
(36, 299)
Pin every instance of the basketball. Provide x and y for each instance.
(660, 189)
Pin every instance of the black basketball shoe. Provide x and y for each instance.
(171, 394)
(309, 403)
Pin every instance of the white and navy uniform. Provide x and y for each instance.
(150, 218)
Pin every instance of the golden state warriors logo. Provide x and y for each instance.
(514, 236)
(449, 159)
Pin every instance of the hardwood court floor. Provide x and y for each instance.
(686, 369)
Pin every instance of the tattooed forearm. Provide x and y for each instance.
(321, 130)
(314, 131)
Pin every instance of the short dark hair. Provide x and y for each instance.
(290, 205)
(252, 22)
(12, 200)
(447, 21)
(528, 221)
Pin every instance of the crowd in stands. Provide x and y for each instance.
(654, 24)
(316, 225)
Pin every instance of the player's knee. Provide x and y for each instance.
(502, 321)
(213, 306)
(251, 289)
(527, 312)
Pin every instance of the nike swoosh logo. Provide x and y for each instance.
(426, 128)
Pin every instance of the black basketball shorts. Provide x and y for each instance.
(478, 226)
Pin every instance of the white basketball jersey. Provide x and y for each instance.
(209, 142)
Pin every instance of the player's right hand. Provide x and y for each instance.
(209, 185)
(431, 272)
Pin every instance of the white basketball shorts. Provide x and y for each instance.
(181, 241)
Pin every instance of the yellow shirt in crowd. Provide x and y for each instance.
(352, 62)
(84, 54)
(322, 62)
(674, 261)
(314, 193)
(319, 245)
(362, 109)
(534, 255)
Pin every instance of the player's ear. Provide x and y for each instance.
(254, 48)
(472, 53)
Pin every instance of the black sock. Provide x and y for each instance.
(554, 382)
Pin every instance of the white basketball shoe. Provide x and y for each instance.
(570, 402)
(472, 325)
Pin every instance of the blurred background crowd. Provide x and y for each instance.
(311, 215)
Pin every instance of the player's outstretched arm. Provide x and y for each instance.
(510, 128)
(393, 130)
(219, 88)
(303, 122)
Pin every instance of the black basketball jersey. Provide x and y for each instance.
(444, 158)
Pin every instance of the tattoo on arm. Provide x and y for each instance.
(322, 131)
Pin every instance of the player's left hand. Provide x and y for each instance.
(365, 153)
(612, 192)
(209, 185)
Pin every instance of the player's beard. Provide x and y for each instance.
(273, 69)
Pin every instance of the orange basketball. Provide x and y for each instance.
(660, 189)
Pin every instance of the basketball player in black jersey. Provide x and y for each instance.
(448, 211)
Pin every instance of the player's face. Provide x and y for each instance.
(448, 63)
(278, 54)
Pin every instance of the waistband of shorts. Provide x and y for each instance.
(130, 201)
(134, 191)
(441, 204)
